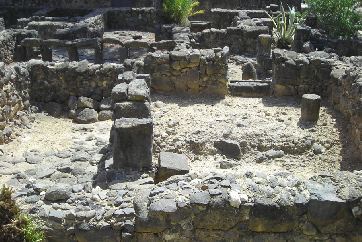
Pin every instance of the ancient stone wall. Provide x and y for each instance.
(67, 86)
(9, 41)
(192, 71)
(204, 4)
(14, 97)
(238, 29)
(346, 93)
(131, 18)
(7, 47)
(298, 74)
(207, 207)
(241, 40)
(324, 74)
(57, 3)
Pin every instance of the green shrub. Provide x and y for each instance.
(284, 26)
(179, 11)
(338, 17)
(13, 225)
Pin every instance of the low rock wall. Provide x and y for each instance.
(192, 71)
(203, 207)
(68, 86)
(298, 74)
(241, 40)
(324, 74)
(345, 95)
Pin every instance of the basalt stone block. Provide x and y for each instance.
(162, 83)
(253, 32)
(86, 116)
(249, 72)
(331, 216)
(164, 44)
(228, 148)
(138, 90)
(145, 77)
(106, 104)
(218, 218)
(58, 191)
(86, 102)
(132, 109)
(170, 164)
(105, 235)
(54, 109)
(310, 107)
(178, 55)
(105, 115)
(136, 44)
(120, 92)
(269, 217)
(132, 142)
(31, 42)
(249, 88)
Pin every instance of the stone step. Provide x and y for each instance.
(249, 88)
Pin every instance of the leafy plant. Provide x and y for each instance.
(179, 11)
(339, 17)
(13, 225)
(284, 26)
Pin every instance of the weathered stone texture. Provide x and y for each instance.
(195, 71)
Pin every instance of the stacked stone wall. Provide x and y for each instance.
(131, 18)
(69, 86)
(211, 207)
(56, 82)
(9, 41)
(192, 71)
(7, 47)
(14, 97)
(298, 74)
(241, 39)
(324, 74)
(57, 3)
(345, 95)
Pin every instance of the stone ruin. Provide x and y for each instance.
(175, 204)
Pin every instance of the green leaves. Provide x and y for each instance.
(339, 17)
(285, 25)
(178, 11)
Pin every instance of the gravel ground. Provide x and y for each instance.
(267, 129)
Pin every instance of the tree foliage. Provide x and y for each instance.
(338, 17)
(179, 11)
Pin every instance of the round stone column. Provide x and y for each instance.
(310, 107)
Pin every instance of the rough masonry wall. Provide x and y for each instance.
(209, 207)
(57, 3)
(63, 83)
(324, 74)
(345, 95)
(192, 71)
(131, 18)
(7, 46)
(56, 82)
(298, 74)
(14, 97)
(241, 39)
